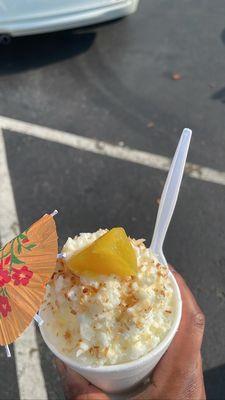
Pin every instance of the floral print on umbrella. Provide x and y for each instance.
(21, 276)
(13, 269)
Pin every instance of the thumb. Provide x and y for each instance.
(75, 386)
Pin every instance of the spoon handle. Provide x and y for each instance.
(170, 195)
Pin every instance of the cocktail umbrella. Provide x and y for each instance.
(26, 264)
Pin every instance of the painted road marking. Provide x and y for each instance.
(29, 374)
(99, 147)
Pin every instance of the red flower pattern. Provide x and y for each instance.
(5, 307)
(5, 261)
(19, 276)
(22, 276)
(4, 277)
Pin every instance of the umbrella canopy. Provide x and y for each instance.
(26, 265)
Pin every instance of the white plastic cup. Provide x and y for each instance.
(122, 377)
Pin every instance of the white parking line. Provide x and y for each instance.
(99, 147)
(29, 374)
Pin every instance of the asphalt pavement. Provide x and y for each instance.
(135, 82)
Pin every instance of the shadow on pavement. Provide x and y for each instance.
(32, 52)
(223, 36)
(215, 383)
(220, 94)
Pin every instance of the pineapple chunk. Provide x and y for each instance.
(112, 253)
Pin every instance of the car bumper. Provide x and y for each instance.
(50, 23)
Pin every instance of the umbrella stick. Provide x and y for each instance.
(38, 319)
(61, 255)
(54, 213)
(8, 353)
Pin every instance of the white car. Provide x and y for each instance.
(27, 17)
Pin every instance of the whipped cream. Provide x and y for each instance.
(108, 319)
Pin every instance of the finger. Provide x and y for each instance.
(201, 377)
(176, 383)
(192, 324)
(182, 361)
(183, 352)
(70, 378)
(194, 383)
(75, 386)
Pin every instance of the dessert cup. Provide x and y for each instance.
(122, 377)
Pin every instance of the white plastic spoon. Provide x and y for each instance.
(170, 195)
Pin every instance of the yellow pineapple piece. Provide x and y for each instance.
(112, 253)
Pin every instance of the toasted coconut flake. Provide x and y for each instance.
(111, 312)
